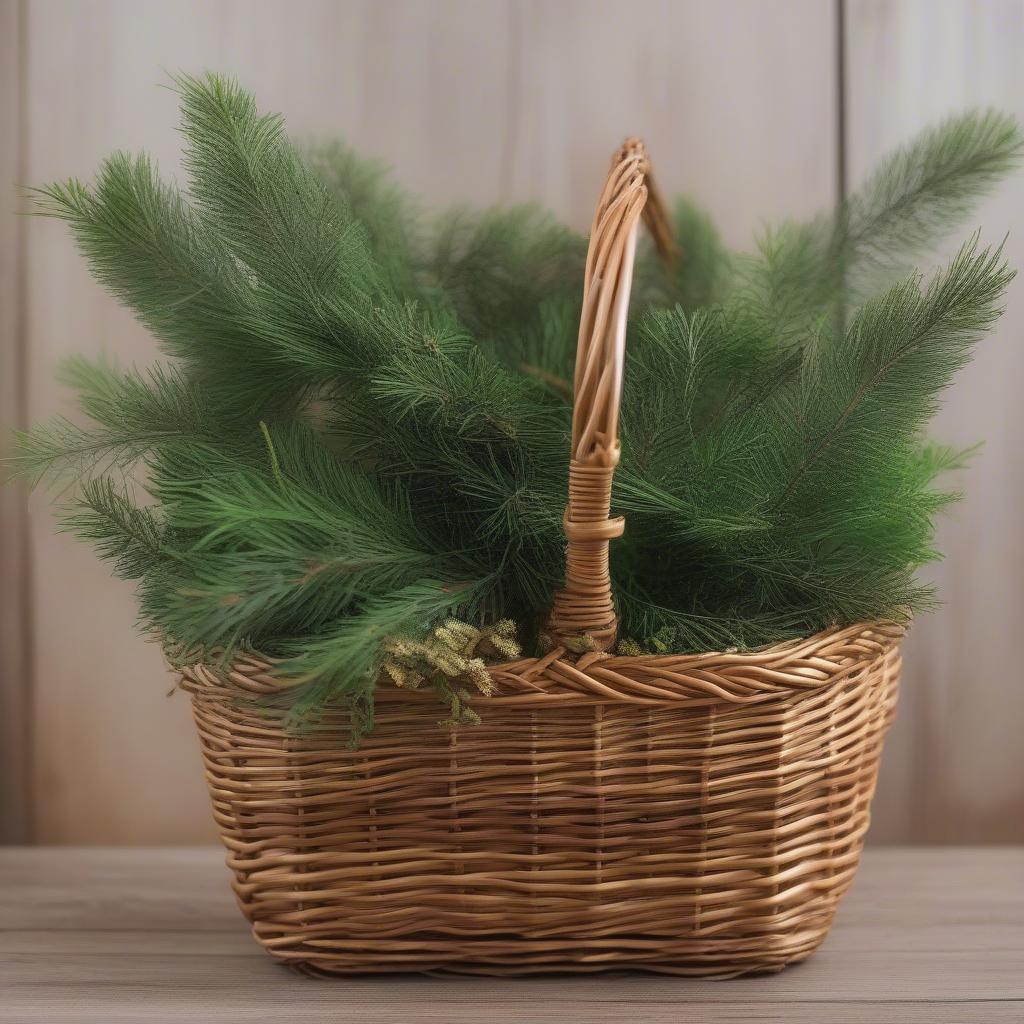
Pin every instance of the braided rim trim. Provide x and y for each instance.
(796, 666)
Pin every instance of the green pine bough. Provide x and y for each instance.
(354, 456)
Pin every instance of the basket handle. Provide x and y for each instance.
(584, 605)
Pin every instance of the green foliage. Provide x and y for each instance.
(385, 213)
(132, 414)
(502, 270)
(804, 496)
(805, 271)
(355, 460)
(699, 278)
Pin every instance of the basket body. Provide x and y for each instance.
(690, 815)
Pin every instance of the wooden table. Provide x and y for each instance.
(105, 935)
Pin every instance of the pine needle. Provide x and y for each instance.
(354, 454)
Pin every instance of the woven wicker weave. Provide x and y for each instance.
(697, 814)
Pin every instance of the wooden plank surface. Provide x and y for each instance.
(485, 100)
(471, 100)
(99, 935)
(15, 676)
(954, 763)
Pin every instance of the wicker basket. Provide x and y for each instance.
(690, 814)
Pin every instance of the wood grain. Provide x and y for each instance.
(737, 102)
(152, 935)
(15, 676)
(954, 765)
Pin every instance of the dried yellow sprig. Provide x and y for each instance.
(453, 651)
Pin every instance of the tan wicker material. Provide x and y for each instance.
(698, 814)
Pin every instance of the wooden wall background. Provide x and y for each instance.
(754, 107)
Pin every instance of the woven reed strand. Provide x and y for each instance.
(694, 815)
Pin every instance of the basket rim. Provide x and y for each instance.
(791, 667)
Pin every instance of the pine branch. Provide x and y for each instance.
(134, 413)
(120, 531)
(364, 429)
(501, 269)
(342, 664)
(249, 180)
(904, 348)
(387, 215)
(906, 205)
(923, 189)
(699, 278)
(147, 246)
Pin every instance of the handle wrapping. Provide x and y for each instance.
(585, 604)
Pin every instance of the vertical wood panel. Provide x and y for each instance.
(472, 101)
(14, 601)
(954, 766)
(736, 101)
